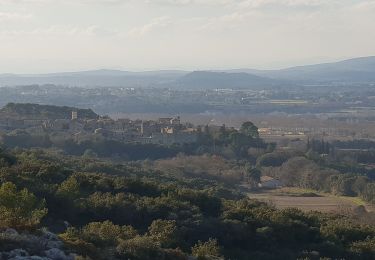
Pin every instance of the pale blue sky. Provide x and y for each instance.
(69, 35)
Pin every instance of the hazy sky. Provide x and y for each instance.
(69, 35)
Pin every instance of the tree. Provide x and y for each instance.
(273, 159)
(206, 250)
(163, 231)
(19, 209)
(69, 188)
(6, 159)
(249, 129)
(239, 143)
(89, 153)
(253, 176)
(139, 248)
(106, 233)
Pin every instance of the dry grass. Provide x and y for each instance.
(300, 198)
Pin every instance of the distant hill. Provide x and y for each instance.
(95, 78)
(35, 111)
(209, 79)
(358, 70)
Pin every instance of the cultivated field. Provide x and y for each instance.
(308, 200)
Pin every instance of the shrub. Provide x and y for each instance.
(162, 231)
(106, 233)
(19, 209)
(206, 250)
(140, 247)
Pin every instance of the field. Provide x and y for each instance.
(308, 200)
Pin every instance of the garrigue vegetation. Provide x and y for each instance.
(112, 200)
(131, 211)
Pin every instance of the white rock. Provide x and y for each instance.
(11, 231)
(18, 252)
(54, 244)
(30, 258)
(56, 254)
(50, 236)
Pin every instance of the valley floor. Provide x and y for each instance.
(308, 200)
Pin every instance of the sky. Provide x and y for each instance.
(39, 36)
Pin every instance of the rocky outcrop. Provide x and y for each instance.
(41, 245)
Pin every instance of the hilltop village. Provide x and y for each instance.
(84, 124)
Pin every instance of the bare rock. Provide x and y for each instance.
(18, 252)
(29, 258)
(57, 254)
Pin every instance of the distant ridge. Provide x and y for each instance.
(356, 70)
(95, 78)
(209, 79)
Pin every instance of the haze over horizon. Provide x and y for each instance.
(43, 36)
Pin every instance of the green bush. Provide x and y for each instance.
(106, 233)
(206, 250)
(19, 209)
(140, 247)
